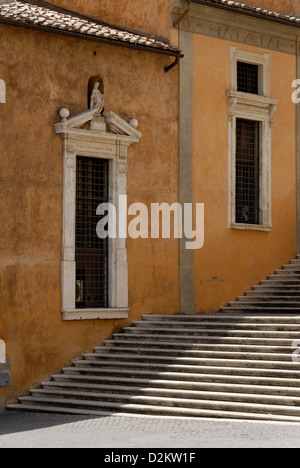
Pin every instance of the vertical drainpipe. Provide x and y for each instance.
(183, 15)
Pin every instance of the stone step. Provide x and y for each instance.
(228, 317)
(275, 288)
(216, 332)
(256, 368)
(176, 354)
(153, 411)
(220, 325)
(272, 293)
(208, 339)
(105, 359)
(163, 387)
(92, 375)
(162, 405)
(271, 298)
(232, 360)
(291, 266)
(284, 281)
(176, 346)
(264, 309)
(268, 283)
(185, 360)
(269, 303)
(288, 275)
(287, 272)
(132, 394)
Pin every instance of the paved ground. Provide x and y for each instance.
(32, 430)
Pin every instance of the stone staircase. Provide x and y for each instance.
(236, 364)
(279, 293)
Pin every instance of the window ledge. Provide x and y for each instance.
(252, 99)
(251, 227)
(96, 314)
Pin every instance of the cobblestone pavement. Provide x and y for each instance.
(33, 430)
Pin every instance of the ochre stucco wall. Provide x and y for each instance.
(141, 14)
(284, 6)
(43, 73)
(240, 258)
(136, 14)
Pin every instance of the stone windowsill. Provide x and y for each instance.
(252, 227)
(96, 314)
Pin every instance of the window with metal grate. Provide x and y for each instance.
(247, 78)
(91, 252)
(247, 192)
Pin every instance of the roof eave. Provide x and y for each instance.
(89, 37)
(245, 12)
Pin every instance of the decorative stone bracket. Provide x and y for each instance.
(250, 105)
(89, 134)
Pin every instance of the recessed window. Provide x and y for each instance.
(91, 252)
(247, 78)
(250, 72)
(250, 117)
(247, 191)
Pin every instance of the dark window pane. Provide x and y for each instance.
(247, 171)
(91, 252)
(247, 78)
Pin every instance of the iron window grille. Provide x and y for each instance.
(91, 252)
(247, 78)
(247, 193)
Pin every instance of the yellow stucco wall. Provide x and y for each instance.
(136, 14)
(43, 73)
(238, 258)
(141, 14)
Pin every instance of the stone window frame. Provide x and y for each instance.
(106, 145)
(264, 68)
(2, 92)
(260, 108)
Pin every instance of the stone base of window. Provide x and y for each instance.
(252, 227)
(96, 314)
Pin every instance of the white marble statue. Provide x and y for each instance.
(97, 98)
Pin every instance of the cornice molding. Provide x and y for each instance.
(231, 26)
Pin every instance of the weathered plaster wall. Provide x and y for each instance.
(238, 258)
(279, 5)
(142, 14)
(136, 14)
(44, 73)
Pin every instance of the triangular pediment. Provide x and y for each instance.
(119, 126)
(89, 121)
(81, 119)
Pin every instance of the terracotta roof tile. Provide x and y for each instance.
(39, 15)
(252, 9)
